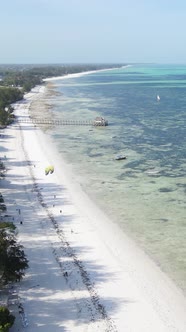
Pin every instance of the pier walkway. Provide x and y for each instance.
(39, 121)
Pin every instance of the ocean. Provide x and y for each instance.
(145, 194)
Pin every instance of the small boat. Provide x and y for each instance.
(120, 157)
(158, 98)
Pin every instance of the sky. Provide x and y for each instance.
(92, 31)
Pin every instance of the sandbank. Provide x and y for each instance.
(84, 274)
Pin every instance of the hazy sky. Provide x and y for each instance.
(63, 31)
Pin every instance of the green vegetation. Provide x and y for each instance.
(2, 205)
(7, 224)
(7, 97)
(2, 168)
(27, 76)
(17, 75)
(13, 261)
(25, 81)
(6, 319)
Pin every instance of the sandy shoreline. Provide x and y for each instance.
(84, 274)
(81, 74)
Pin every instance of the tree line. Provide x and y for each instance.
(13, 261)
(8, 95)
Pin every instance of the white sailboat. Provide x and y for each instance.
(158, 98)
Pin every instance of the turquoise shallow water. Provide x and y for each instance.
(146, 193)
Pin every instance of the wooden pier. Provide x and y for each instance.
(48, 122)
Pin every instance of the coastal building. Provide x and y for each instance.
(99, 121)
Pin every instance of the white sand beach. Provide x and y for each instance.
(73, 75)
(84, 274)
